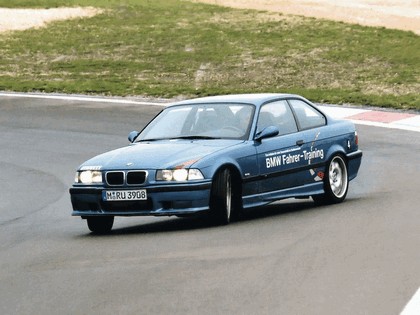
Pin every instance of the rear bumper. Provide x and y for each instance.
(164, 200)
(354, 160)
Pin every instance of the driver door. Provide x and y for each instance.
(280, 157)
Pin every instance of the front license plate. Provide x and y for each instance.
(124, 195)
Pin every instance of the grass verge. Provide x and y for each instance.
(173, 47)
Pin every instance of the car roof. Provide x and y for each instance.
(256, 98)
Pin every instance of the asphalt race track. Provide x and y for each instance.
(359, 257)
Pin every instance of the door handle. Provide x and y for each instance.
(300, 142)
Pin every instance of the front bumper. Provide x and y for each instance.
(162, 200)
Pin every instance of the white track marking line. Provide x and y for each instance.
(385, 125)
(413, 306)
(411, 122)
(83, 99)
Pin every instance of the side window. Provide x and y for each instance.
(277, 114)
(307, 116)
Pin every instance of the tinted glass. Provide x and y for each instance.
(277, 114)
(307, 116)
(227, 121)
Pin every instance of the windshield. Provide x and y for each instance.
(200, 121)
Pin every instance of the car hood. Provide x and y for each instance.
(158, 155)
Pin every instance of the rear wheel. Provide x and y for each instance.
(100, 225)
(336, 182)
(221, 201)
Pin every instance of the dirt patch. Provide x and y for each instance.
(21, 19)
(396, 14)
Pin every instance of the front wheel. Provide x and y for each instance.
(100, 225)
(336, 182)
(221, 197)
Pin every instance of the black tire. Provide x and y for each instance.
(100, 225)
(336, 182)
(221, 201)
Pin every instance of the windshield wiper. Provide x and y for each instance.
(150, 140)
(180, 137)
(196, 137)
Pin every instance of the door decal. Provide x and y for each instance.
(317, 175)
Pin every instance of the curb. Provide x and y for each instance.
(374, 117)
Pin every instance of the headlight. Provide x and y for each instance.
(88, 177)
(179, 175)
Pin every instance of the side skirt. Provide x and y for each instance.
(256, 200)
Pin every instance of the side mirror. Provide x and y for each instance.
(132, 136)
(268, 132)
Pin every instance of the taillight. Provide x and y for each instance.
(356, 138)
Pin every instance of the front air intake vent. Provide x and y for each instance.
(136, 177)
(115, 178)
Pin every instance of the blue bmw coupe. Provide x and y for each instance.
(220, 155)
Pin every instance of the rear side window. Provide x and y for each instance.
(307, 116)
